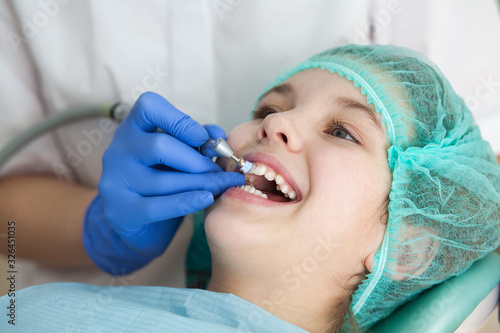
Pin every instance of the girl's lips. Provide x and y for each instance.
(275, 164)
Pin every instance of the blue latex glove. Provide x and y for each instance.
(149, 181)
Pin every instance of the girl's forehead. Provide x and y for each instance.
(317, 81)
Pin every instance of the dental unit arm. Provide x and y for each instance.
(117, 112)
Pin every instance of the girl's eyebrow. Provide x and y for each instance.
(282, 89)
(350, 104)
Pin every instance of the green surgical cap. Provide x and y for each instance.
(444, 209)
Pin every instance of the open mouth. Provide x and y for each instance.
(266, 183)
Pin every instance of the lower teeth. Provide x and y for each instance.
(252, 190)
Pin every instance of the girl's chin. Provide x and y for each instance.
(221, 210)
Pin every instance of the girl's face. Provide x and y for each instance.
(329, 148)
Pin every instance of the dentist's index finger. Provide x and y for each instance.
(215, 131)
(151, 111)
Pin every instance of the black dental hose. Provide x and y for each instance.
(117, 111)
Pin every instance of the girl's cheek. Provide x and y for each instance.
(242, 137)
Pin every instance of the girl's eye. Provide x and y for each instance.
(338, 130)
(340, 133)
(265, 110)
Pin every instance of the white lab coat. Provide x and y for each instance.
(210, 59)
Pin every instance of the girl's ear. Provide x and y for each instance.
(416, 252)
(369, 260)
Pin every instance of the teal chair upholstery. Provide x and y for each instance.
(443, 308)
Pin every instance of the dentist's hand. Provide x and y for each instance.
(150, 180)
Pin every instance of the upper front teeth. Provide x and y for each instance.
(270, 174)
(258, 170)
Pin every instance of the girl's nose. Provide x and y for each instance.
(280, 129)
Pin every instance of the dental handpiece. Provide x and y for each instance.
(221, 147)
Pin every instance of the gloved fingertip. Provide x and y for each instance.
(215, 131)
(236, 178)
(205, 198)
(193, 134)
(224, 180)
